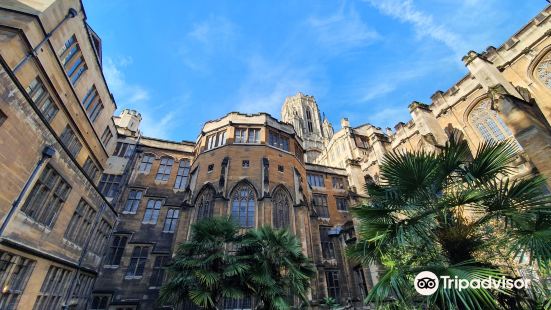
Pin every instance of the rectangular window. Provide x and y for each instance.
(100, 237)
(158, 272)
(100, 302)
(338, 183)
(123, 149)
(92, 104)
(342, 204)
(210, 168)
(298, 153)
(42, 99)
(171, 220)
(221, 138)
(53, 289)
(245, 164)
(137, 262)
(278, 140)
(280, 168)
(70, 43)
(47, 197)
(106, 136)
(109, 184)
(91, 169)
(70, 140)
(253, 135)
(320, 205)
(183, 174)
(164, 169)
(145, 164)
(240, 135)
(80, 225)
(82, 290)
(216, 139)
(333, 288)
(133, 201)
(116, 250)
(316, 180)
(152, 211)
(327, 247)
(15, 271)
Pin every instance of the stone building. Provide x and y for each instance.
(506, 94)
(92, 210)
(248, 167)
(56, 134)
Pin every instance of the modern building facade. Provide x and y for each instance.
(92, 210)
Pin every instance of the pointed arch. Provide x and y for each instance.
(243, 204)
(281, 207)
(487, 122)
(204, 202)
(540, 68)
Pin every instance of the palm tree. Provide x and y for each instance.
(203, 271)
(454, 215)
(277, 267)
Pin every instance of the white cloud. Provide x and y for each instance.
(125, 92)
(377, 90)
(388, 117)
(205, 40)
(343, 30)
(151, 126)
(158, 119)
(267, 84)
(423, 23)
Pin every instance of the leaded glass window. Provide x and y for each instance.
(243, 203)
(280, 209)
(205, 204)
(543, 70)
(488, 123)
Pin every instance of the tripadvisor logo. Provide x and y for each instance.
(426, 283)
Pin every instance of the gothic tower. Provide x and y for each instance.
(303, 113)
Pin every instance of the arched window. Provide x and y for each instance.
(281, 204)
(543, 70)
(205, 204)
(309, 119)
(488, 123)
(243, 203)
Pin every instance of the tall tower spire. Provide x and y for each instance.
(303, 113)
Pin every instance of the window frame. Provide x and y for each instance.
(152, 212)
(171, 219)
(137, 262)
(182, 175)
(165, 169)
(145, 166)
(116, 250)
(132, 203)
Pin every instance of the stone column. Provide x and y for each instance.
(528, 126)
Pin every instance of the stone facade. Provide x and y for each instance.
(166, 186)
(505, 95)
(92, 210)
(56, 135)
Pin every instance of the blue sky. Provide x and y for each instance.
(185, 62)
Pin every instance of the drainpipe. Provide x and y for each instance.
(47, 153)
(72, 13)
